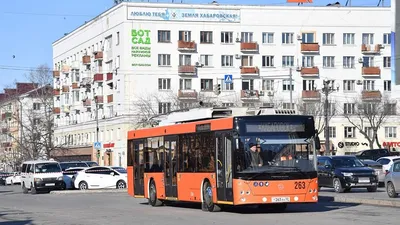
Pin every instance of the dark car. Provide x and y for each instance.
(372, 154)
(3, 177)
(345, 172)
(66, 165)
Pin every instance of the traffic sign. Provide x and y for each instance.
(97, 145)
(228, 78)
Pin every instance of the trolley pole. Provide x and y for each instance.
(326, 90)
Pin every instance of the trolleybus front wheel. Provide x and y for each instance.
(207, 203)
(153, 201)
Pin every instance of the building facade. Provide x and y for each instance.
(141, 59)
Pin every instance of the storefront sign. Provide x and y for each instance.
(351, 144)
(391, 144)
(141, 49)
(181, 14)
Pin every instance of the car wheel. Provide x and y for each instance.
(337, 185)
(24, 189)
(372, 189)
(153, 195)
(83, 185)
(391, 191)
(121, 184)
(33, 190)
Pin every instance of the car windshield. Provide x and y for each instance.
(67, 165)
(47, 168)
(346, 162)
(120, 169)
(263, 154)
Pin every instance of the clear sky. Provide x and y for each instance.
(28, 28)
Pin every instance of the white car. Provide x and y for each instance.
(68, 174)
(100, 177)
(387, 162)
(14, 179)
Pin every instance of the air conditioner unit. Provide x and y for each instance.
(359, 82)
(299, 37)
(238, 40)
(198, 64)
(237, 56)
(298, 69)
(270, 93)
(360, 60)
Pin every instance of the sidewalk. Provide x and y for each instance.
(359, 196)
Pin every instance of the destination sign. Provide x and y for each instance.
(274, 127)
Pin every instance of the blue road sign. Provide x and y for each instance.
(228, 78)
(97, 145)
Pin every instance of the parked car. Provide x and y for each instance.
(15, 178)
(380, 171)
(372, 154)
(344, 173)
(68, 174)
(66, 165)
(392, 180)
(3, 177)
(41, 175)
(91, 163)
(100, 177)
(387, 161)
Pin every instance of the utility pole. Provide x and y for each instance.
(326, 90)
(291, 89)
(97, 125)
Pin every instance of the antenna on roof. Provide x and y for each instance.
(348, 3)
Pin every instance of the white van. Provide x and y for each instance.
(41, 175)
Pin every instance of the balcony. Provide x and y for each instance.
(87, 103)
(109, 76)
(56, 73)
(249, 95)
(186, 70)
(98, 77)
(311, 95)
(86, 60)
(6, 115)
(110, 98)
(4, 130)
(6, 144)
(187, 94)
(186, 46)
(75, 85)
(56, 110)
(75, 65)
(371, 71)
(56, 92)
(98, 56)
(309, 71)
(371, 95)
(65, 69)
(309, 47)
(65, 88)
(99, 99)
(249, 70)
(371, 49)
(249, 47)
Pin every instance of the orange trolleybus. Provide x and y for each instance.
(264, 160)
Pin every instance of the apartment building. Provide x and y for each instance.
(149, 58)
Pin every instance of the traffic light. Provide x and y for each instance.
(98, 153)
(217, 89)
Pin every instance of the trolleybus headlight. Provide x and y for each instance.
(266, 184)
(261, 184)
(255, 184)
(248, 192)
(243, 199)
(241, 192)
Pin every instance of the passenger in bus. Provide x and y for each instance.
(255, 157)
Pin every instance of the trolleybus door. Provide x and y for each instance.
(171, 166)
(138, 187)
(224, 166)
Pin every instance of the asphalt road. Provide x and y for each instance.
(359, 193)
(119, 208)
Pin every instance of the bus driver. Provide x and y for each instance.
(256, 159)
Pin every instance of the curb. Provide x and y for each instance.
(89, 191)
(378, 202)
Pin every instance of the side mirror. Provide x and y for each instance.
(112, 173)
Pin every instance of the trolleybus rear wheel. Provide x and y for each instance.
(153, 195)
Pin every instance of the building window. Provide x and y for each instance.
(268, 61)
(248, 85)
(117, 38)
(368, 61)
(349, 108)
(286, 85)
(287, 61)
(185, 84)
(369, 131)
(164, 36)
(348, 62)
(308, 61)
(36, 106)
(75, 96)
(349, 85)
(387, 39)
(227, 37)
(247, 37)
(390, 132)
(368, 39)
(227, 60)
(328, 39)
(368, 85)
(329, 61)
(164, 60)
(307, 38)
(332, 132)
(287, 105)
(185, 60)
(247, 60)
(206, 60)
(267, 38)
(227, 86)
(386, 62)
(206, 84)
(348, 38)
(164, 107)
(349, 132)
(387, 85)
(206, 37)
(309, 85)
(268, 85)
(390, 108)
(164, 84)
(287, 38)
(185, 36)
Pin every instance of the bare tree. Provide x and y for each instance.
(368, 116)
(317, 110)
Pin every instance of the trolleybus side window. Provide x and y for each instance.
(130, 153)
(154, 154)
